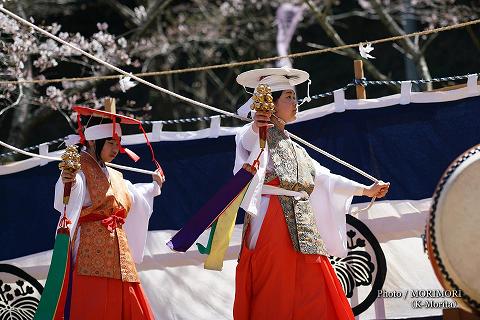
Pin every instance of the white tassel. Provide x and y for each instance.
(307, 98)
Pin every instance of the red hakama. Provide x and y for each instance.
(101, 298)
(274, 281)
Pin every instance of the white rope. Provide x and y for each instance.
(346, 164)
(116, 166)
(28, 153)
(176, 95)
(256, 61)
(194, 102)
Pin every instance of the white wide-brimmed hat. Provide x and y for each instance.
(277, 78)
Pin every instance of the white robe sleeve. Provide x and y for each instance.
(136, 224)
(247, 151)
(331, 199)
(75, 204)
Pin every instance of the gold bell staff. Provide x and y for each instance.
(263, 101)
(71, 163)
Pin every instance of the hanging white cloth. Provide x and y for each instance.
(287, 18)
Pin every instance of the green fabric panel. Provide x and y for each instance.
(206, 250)
(56, 274)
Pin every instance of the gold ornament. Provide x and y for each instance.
(70, 160)
(263, 99)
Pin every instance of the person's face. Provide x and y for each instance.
(286, 106)
(110, 150)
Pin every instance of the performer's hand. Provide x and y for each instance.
(68, 176)
(378, 190)
(158, 177)
(261, 119)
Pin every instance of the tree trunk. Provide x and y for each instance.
(201, 95)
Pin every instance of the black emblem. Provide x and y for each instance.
(19, 294)
(358, 268)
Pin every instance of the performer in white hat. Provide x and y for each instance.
(295, 216)
(109, 221)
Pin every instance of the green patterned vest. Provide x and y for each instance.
(294, 168)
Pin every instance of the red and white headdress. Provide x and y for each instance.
(108, 130)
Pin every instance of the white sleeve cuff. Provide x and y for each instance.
(348, 187)
(156, 190)
(249, 138)
(359, 190)
(148, 190)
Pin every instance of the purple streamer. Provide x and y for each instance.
(186, 236)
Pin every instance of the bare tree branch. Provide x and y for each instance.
(124, 11)
(16, 102)
(152, 14)
(427, 43)
(333, 34)
(409, 46)
(474, 37)
(393, 27)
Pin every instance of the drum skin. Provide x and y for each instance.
(453, 237)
